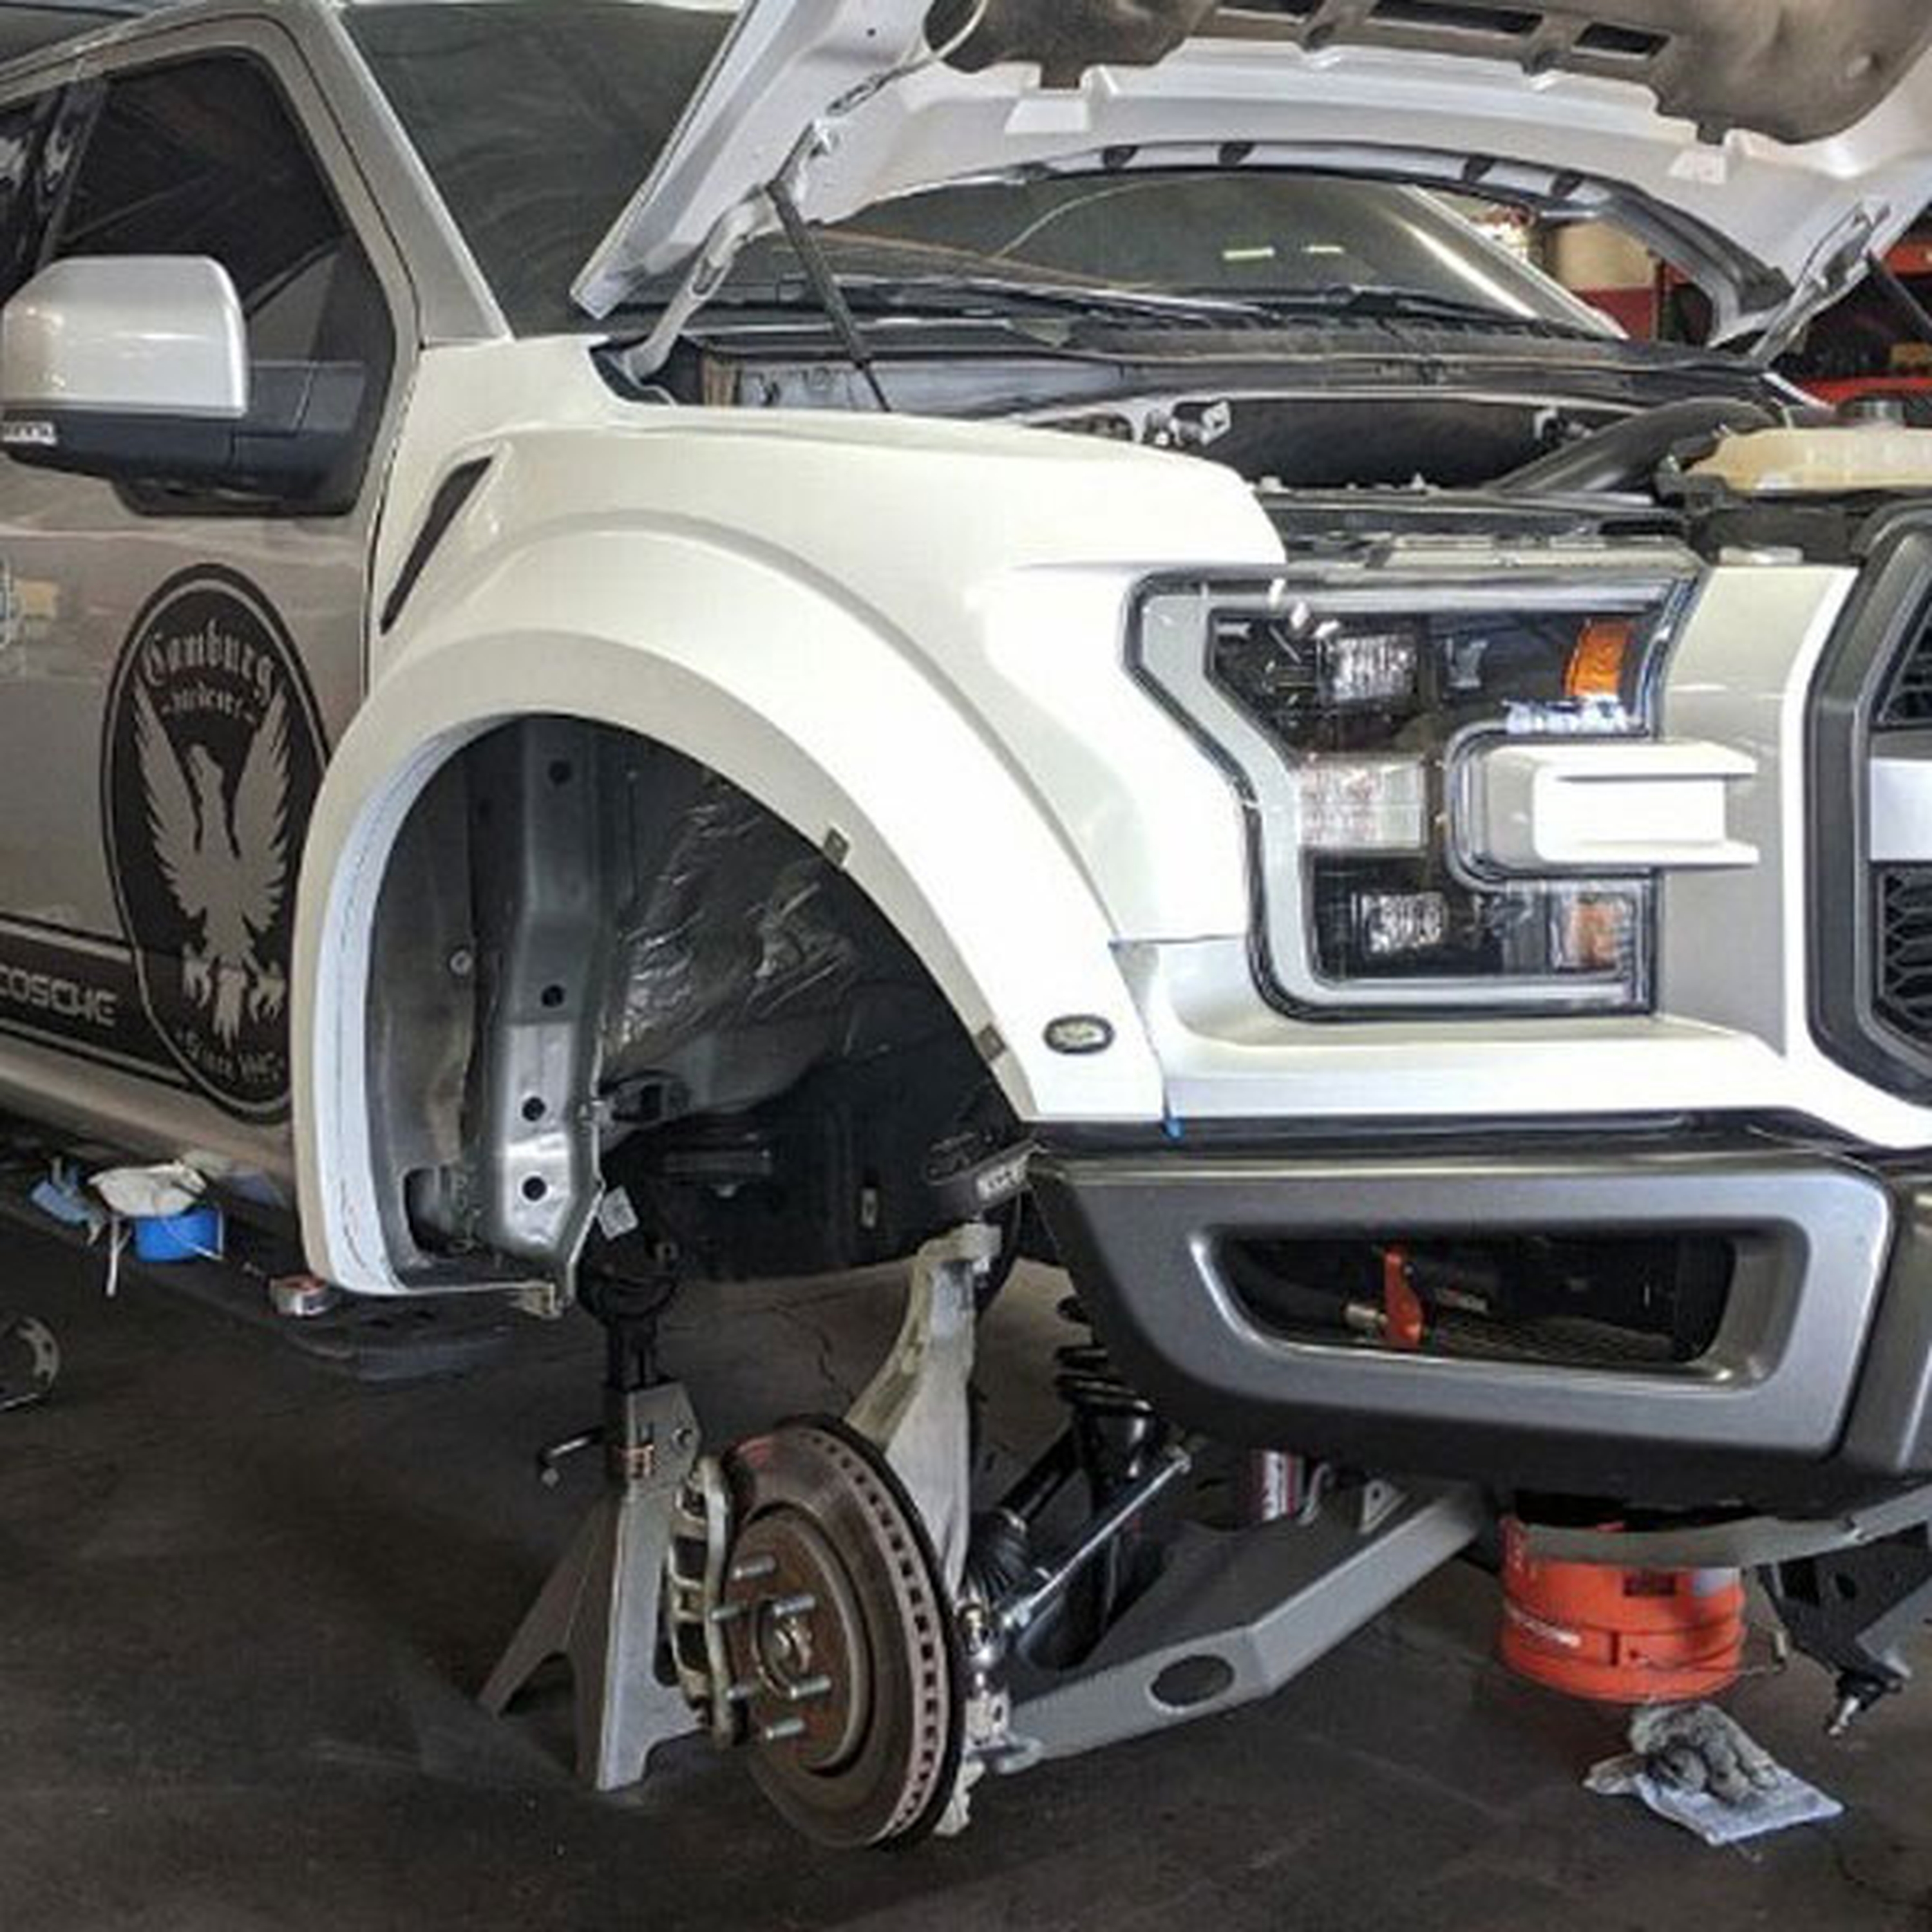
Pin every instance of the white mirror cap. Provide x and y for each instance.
(127, 335)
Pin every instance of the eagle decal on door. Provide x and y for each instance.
(225, 859)
(213, 758)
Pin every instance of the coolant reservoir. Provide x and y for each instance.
(1837, 461)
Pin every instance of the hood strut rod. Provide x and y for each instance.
(824, 282)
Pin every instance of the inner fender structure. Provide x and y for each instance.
(598, 964)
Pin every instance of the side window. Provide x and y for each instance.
(205, 158)
(22, 125)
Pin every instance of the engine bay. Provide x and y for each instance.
(1347, 433)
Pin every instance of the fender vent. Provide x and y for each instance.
(451, 494)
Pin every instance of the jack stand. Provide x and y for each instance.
(600, 1610)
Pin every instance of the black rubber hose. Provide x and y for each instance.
(1626, 455)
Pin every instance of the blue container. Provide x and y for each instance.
(194, 1236)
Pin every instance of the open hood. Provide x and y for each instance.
(1765, 146)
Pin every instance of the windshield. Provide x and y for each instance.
(538, 118)
(1247, 236)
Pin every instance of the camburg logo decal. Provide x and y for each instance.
(213, 758)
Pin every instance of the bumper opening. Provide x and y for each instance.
(1668, 1324)
(1585, 1300)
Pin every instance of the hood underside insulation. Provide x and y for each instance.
(1797, 71)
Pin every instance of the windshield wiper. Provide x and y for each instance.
(976, 293)
(846, 299)
(969, 293)
(1363, 299)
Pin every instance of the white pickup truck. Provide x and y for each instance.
(1035, 627)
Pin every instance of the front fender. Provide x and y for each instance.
(804, 700)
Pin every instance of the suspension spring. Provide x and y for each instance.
(1114, 1426)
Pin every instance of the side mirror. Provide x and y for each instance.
(135, 368)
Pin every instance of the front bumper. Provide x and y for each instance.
(1816, 1393)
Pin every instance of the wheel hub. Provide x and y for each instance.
(838, 1639)
(796, 1641)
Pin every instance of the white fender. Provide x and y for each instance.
(942, 832)
(908, 632)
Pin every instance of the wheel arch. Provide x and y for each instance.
(863, 753)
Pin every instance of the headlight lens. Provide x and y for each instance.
(1347, 713)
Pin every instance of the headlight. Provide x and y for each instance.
(1347, 711)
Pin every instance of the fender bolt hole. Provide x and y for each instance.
(535, 1188)
(534, 1109)
(553, 996)
(562, 771)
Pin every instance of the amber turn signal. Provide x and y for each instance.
(1598, 664)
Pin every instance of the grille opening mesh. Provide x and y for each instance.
(1907, 702)
(1905, 950)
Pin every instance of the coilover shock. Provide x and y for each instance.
(1117, 1438)
(1113, 1441)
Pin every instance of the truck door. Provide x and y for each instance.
(175, 666)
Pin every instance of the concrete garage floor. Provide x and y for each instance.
(243, 1606)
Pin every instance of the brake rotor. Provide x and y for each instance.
(839, 1640)
(30, 1362)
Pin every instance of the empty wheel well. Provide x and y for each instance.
(597, 963)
